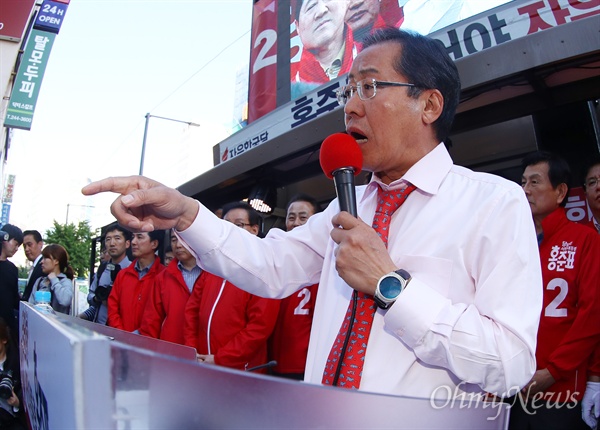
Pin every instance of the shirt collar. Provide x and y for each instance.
(596, 224)
(180, 266)
(38, 258)
(427, 174)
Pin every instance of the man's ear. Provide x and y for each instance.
(562, 191)
(434, 105)
(255, 229)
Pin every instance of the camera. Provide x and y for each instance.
(103, 291)
(6, 385)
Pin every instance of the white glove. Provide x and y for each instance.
(590, 405)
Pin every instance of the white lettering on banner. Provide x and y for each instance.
(50, 19)
(32, 70)
(562, 257)
(262, 60)
(512, 22)
(575, 207)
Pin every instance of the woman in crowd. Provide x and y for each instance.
(58, 279)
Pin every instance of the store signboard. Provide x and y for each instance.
(51, 15)
(21, 106)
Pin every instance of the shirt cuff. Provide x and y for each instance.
(414, 312)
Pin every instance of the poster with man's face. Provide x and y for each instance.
(326, 35)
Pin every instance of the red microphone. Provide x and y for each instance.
(341, 160)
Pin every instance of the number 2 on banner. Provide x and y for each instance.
(553, 310)
(262, 61)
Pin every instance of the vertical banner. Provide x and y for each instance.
(21, 106)
(5, 214)
(26, 89)
(9, 188)
(262, 90)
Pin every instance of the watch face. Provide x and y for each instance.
(390, 287)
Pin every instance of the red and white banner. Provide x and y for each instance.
(262, 90)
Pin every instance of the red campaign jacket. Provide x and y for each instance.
(164, 314)
(238, 323)
(308, 69)
(570, 322)
(127, 300)
(288, 344)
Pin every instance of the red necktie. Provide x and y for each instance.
(354, 352)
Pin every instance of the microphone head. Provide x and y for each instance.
(338, 151)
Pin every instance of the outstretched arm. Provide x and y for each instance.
(146, 205)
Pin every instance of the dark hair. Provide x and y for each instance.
(593, 162)
(60, 254)
(559, 171)
(426, 64)
(158, 235)
(253, 216)
(4, 331)
(296, 6)
(14, 232)
(301, 197)
(115, 226)
(36, 235)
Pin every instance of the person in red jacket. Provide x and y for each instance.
(226, 325)
(133, 284)
(164, 314)
(569, 326)
(288, 344)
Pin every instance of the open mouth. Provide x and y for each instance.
(360, 138)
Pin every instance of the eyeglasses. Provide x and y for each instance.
(241, 224)
(592, 182)
(366, 89)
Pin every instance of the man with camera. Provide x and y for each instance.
(117, 240)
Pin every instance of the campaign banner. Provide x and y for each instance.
(262, 89)
(441, 20)
(13, 18)
(51, 15)
(577, 207)
(21, 106)
(512, 21)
